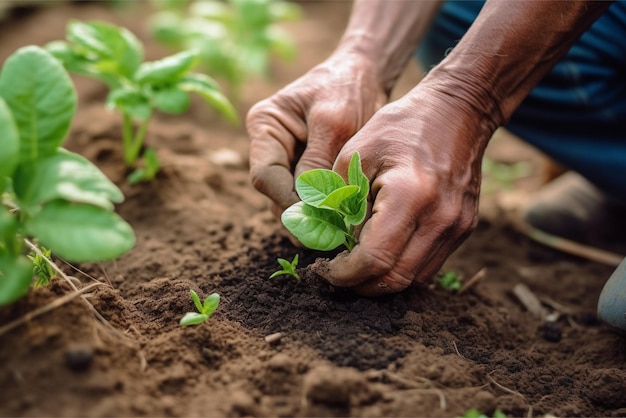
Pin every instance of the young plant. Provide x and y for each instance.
(114, 56)
(330, 209)
(288, 268)
(204, 309)
(50, 194)
(450, 281)
(475, 413)
(42, 269)
(235, 39)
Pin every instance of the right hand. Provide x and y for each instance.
(304, 125)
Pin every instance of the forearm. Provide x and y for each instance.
(508, 49)
(388, 31)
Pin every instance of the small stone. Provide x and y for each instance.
(79, 357)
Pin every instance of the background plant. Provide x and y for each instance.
(48, 193)
(114, 56)
(330, 209)
(235, 39)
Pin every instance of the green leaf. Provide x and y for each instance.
(168, 69)
(9, 144)
(285, 264)
(316, 228)
(10, 242)
(337, 197)
(281, 43)
(355, 207)
(16, 274)
(115, 49)
(42, 99)
(81, 233)
(171, 100)
(208, 88)
(130, 102)
(193, 318)
(314, 186)
(210, 304)
(67, 176)
(196, 300)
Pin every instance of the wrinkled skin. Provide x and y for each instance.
(424, 191)
(304, 125)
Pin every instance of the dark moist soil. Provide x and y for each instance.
(424, 352)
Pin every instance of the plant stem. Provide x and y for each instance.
(133, 140)
(350, 239)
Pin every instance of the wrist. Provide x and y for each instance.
(362, 47)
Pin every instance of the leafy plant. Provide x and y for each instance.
(330, 209)
(475, 413)
(204, 309)
(42, 269)
(288, 268)
(48, 193)
(450, 281)
(114, 56)
(235, 39)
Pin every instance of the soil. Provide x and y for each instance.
(423, 352)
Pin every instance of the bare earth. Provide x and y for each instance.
(424, 352)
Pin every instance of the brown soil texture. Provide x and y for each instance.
(423, 352)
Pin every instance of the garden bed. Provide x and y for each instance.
(201, 226)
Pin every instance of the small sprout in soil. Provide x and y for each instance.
(204, 309)
(330, 209)
(288, 268)
(450, 281)
(475, 413)
(42, 269)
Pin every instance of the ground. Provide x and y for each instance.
(423, 352)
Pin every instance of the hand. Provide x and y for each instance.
(423, 157)
(304, 125)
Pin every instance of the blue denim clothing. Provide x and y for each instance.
(577, 113)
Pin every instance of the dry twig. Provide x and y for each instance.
(475, 279)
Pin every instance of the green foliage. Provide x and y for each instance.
(235, 39)
(288, 268)
(475, 413)
(42, 269)
(48, 193)
(450, 281)
(204, 309)
(330, 209)
(114, 56)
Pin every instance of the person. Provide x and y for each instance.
(554, 73)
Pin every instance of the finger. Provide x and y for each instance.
(273, 141)
(423, 257)
(328, 132)
(384, 236)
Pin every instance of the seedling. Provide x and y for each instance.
(114, 56)
(450, 281)
(330, 209)
(235, 39)
(50, 194)
(475, 413)
(42, 269)
(288, 268)
(204, 309)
